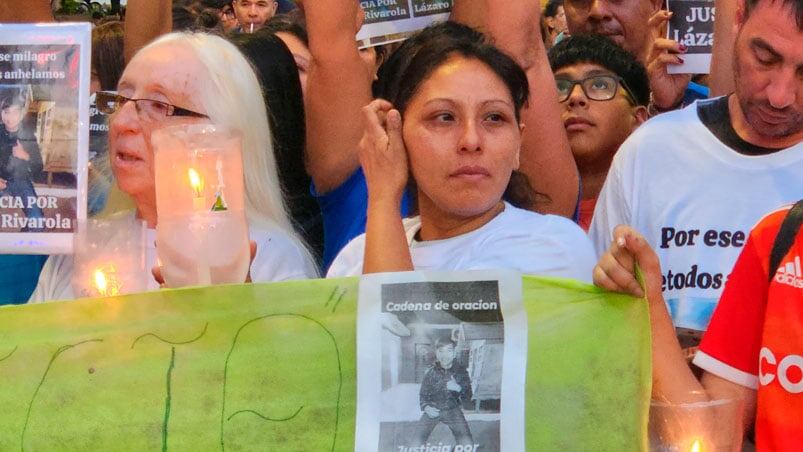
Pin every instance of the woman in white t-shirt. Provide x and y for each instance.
(451, 120)
(191, 78)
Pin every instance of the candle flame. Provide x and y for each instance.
(106, 281)
(196, 182)
(100, 282)
(696, 447)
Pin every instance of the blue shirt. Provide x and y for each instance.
(345, 211)
(19, 275)
(694, 92)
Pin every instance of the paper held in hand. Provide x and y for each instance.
(44, 135)
(441, 362)
(692, 24)
(394, 20)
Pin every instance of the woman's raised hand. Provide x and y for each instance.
(382, 153)
(616, 270)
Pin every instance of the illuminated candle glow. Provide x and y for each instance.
(197, 184)
(100, 282)
(696, 447)
(106, 281)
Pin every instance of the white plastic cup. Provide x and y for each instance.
(201, 229)
(109, 257)
(706, 426)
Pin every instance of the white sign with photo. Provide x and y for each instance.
(44, 135)
(441, 362)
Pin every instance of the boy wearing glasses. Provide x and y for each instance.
(604, 92)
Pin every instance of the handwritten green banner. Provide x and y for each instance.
(272, 367)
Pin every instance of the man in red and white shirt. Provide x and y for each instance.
(755, 339)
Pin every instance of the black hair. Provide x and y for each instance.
(13, 97)
(795, 5)
(551, 8)
(400, 77)
(443, 341)
(216, 4)
(108, 61)
(411, 64)
(194, 15)
(288, 24)
(601, 50)
(276, 69)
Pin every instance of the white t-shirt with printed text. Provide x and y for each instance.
(695, 200)
(515, 239)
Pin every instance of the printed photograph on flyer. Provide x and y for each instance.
(42, 122)
(442, 378)
(442, 375)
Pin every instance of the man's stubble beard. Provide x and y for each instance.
(749, 107)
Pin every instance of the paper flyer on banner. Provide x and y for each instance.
(692, 24)
(389, 21)
(44, 133)
(441, 362)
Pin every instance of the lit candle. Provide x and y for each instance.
(197, 184)
(696, 447)
(100, 282)
(106, 281)
(200, 224)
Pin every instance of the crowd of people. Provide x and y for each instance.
(495, 140)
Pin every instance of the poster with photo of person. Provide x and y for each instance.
(389, 21)
(441, 362)
(44, 105)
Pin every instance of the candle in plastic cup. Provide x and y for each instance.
(109, 257)
(703, 426)
(202, 234)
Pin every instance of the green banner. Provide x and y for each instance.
(272, 367)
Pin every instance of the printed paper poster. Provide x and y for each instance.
(441, 363)
(394, 20)
(692, 24)
(99, 175)
(44, 90)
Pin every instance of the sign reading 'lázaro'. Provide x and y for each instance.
(692, 24)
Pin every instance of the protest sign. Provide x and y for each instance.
(273, 367)
(44, 91)
(394, 20)
(99, 175)
(692, 24)
(452, 351)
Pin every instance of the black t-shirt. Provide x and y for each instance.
(715, 115)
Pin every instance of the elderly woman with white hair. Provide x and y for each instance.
(192, 78)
